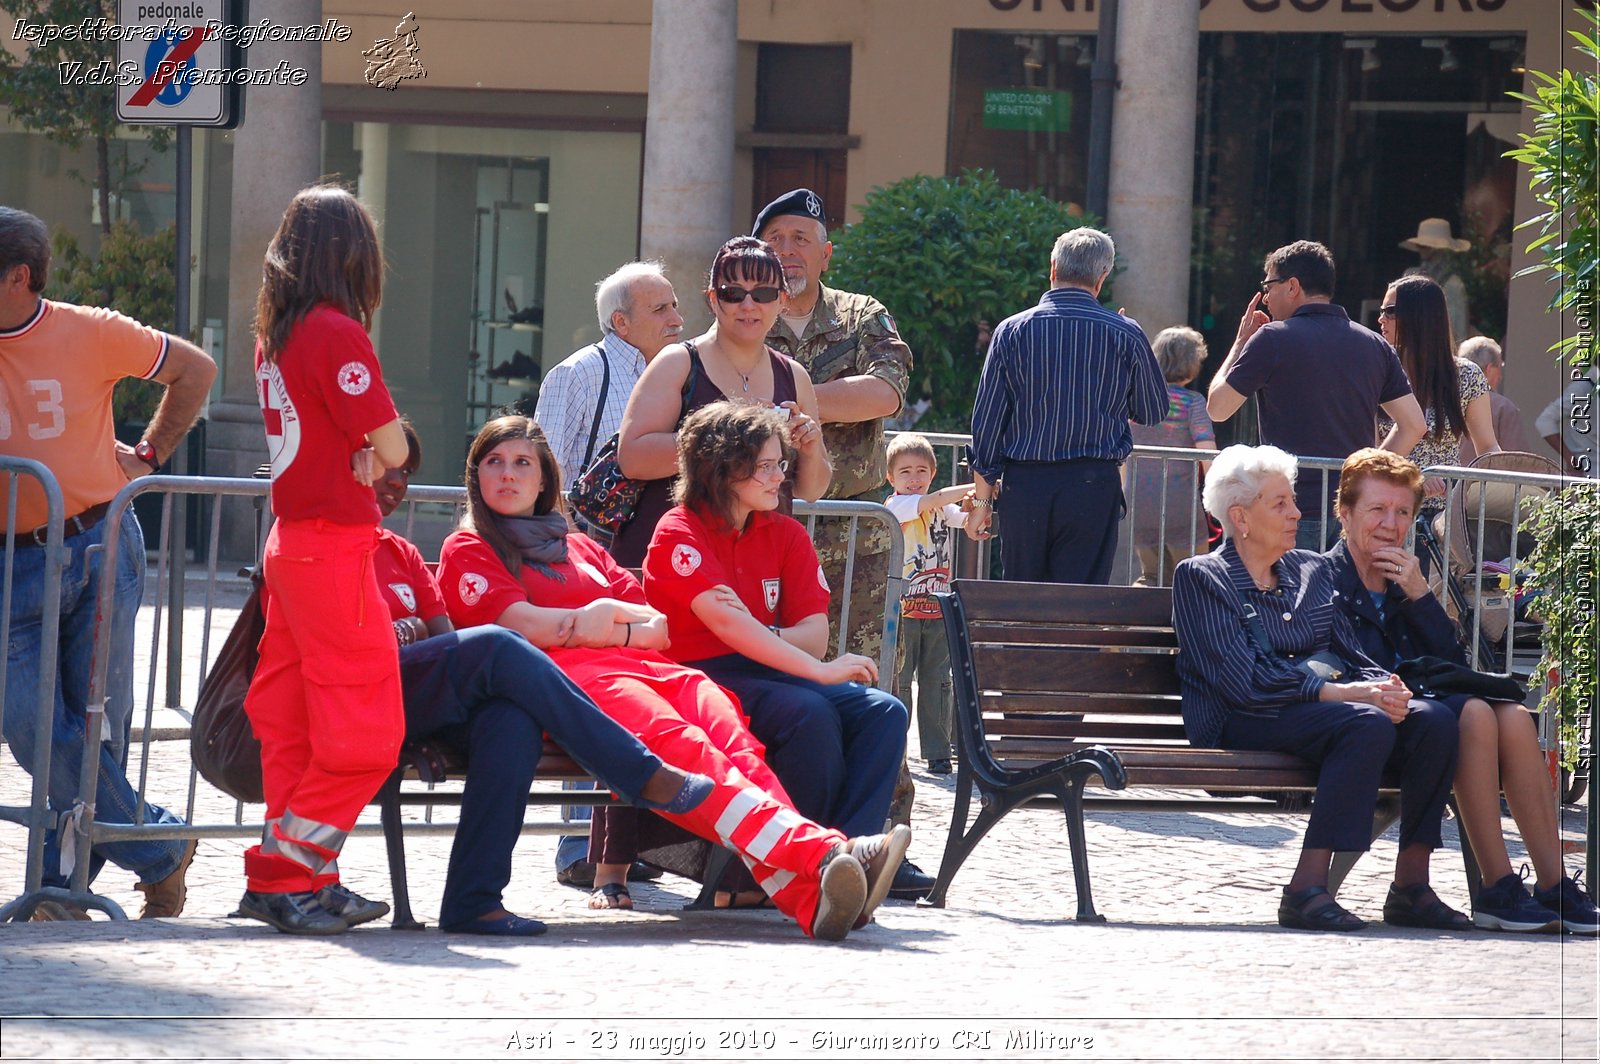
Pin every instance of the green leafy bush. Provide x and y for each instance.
(1563, 159)
(943, 254)
(1567, 561)
(134, 275)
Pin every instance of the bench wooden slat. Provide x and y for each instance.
(1074, 670)
(983, 600)
(1052, 704)
(1090, 731)
(1072, 635)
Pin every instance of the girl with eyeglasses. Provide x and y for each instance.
(747, 604)
(731, 360)
(1453, 392)
(516, 562)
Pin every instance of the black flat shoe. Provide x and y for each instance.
(910, 883)
(508, 926)
(1418, 906)
(1294, 912)
(347, 905)
(294, 913)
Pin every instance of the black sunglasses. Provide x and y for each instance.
(732, 293)
(1266, 286)
(1389, 310)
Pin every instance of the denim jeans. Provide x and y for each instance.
(115, 801)
(836, 748)
(487, 691)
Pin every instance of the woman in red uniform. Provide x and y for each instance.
(325, 699)
(486, 691)
(747, 604)
(517, 563)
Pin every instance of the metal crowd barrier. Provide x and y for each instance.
(35, 816)
(199, 808)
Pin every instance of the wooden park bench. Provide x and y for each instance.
(1058, 686)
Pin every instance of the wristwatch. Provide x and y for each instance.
(145, 453)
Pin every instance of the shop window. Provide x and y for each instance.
(1019, 105)
(1352, 141)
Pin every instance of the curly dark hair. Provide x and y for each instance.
(479, 517)
(717, 448)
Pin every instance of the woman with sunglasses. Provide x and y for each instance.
(730, 360)
(747, 604)
(1453, 391)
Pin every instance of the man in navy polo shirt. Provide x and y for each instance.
(1322, 379)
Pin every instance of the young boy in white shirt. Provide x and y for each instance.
(926, 519)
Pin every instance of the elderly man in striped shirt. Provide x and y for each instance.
(1050, 426)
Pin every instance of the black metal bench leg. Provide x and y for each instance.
(954, 851)
(394, 842)
(1384, 815)
(717, 862)
(1469, 858)
(1072, 806)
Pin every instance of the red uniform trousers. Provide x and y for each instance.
(694, 725)
(325, 700)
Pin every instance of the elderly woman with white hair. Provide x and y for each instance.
(1249, 618)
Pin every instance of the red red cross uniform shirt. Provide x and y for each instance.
(409, 589)
(319, 400)
(771, 566)
(478, 588)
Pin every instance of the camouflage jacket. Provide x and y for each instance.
(850, 335)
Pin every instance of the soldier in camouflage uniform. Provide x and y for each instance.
(860, 366)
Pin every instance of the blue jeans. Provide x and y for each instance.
(115, 801)
(491, 693)
(836, 748)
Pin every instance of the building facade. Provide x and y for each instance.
(511, 174)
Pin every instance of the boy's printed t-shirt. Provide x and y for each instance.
(928, 549)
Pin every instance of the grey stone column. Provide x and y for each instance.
(1152, 158)
(276, 152)
(687, 204)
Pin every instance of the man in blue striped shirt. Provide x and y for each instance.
(1050, 426)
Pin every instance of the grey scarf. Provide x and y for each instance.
(540, 540)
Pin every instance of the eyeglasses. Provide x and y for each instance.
(732, 293)
(1266, 286)
(768, 470)
(1389, 311)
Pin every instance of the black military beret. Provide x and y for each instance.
(801, 201)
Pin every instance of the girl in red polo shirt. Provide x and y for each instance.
(325, 699)
(516, 562)
(747, 604)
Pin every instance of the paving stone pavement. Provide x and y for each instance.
(1190, 964)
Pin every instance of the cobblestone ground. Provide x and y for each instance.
(1189, 966)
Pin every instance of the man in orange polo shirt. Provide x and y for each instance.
(58, 365)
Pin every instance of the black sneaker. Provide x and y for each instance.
(910, 883)
(347, 905)
(293, 913)
(1569, 901)
(939, 766)
(1507, 906)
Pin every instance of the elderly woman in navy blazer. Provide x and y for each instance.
(1240, 695)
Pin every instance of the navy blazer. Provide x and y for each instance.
(1221, 670)
(1407, 628)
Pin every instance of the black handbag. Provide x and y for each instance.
(1431, 676)
(224, 747)
(1322, 663)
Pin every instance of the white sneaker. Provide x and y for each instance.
(880, 855)
(843, 893)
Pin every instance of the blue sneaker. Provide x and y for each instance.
(1507, 906)
(1576, 909)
